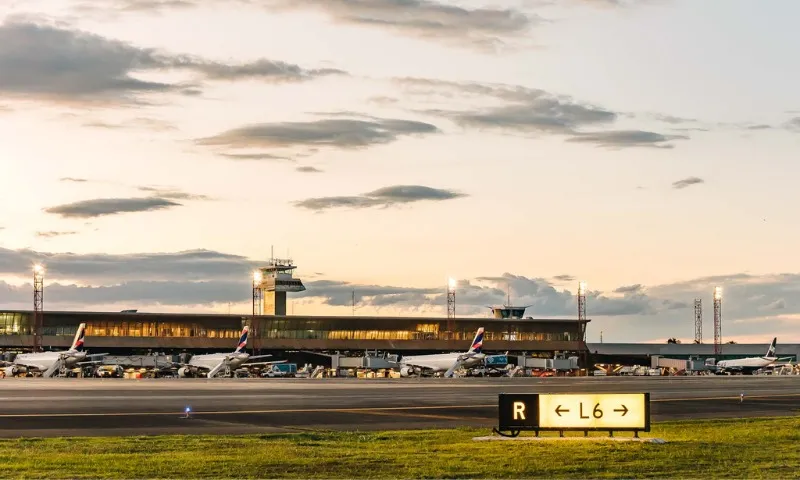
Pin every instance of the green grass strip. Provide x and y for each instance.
(732, 448)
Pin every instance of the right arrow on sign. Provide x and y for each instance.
(624, 410)
(559, 410)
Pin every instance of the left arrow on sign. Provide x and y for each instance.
(559, 410)
(624, 410)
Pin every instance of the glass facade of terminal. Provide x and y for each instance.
(290, 327)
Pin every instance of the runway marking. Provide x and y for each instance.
(246, 412)
(368, 410)
(732, 397)
(415, 415)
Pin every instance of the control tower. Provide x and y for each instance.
(507, 311)
(273, 282)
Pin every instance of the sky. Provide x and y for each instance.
(154, 152)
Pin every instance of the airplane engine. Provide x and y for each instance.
(184, 372)
(406, 371)
(10, 371)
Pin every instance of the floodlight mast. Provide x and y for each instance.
(451, 305)
(257, 292)
(717, 320)
(38, 306)
(582, 301)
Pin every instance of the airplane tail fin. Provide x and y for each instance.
(77, 342)
(242, 340)
(771, 350)
(477, 342)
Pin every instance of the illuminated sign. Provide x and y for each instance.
(574, 411)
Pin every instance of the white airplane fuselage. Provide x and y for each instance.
(752, 363)
(211, 360)
(440, 362)
(44, 360)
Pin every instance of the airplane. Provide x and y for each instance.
(226, 363)
(447, 362)
(51, 363)
(747, 366)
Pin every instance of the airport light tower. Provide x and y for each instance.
(698, 320)
(257, 292)
(451, 305)
(38, 306)
(582, 300)
(451, 298)
(717, 320)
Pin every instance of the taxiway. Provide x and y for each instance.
(92, 407)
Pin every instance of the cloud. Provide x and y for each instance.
(473, 297)
(332, 132)
(793, 124)
(637, 288)
(52, 63)
(271, 70)
(133, 294)
(687, 182)
(673, 119)
(627, 138)
(73, 179)
(485, 29)
(564, 278)
(308, 169)
(254, 156)
(383, 197)
(125, 6)
(530, 111)
(103, 268)
(52, 234)
(110, 206)
(779, 304)
(382, 100)
(139, 122)
(173, 194)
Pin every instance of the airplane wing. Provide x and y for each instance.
(90, 362)
(264, 363)
(259, 356)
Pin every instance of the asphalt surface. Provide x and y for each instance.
(96, 407)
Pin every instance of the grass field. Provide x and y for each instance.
(751, 448)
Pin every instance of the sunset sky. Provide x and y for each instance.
(153, 151)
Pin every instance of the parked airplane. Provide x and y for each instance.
(213, 363)
(749, 365)
(447, 362)
(51, 363)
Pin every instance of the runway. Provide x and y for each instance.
(96, 407)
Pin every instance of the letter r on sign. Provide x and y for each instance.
(519, 410)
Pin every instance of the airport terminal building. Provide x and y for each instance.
(139, 333)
